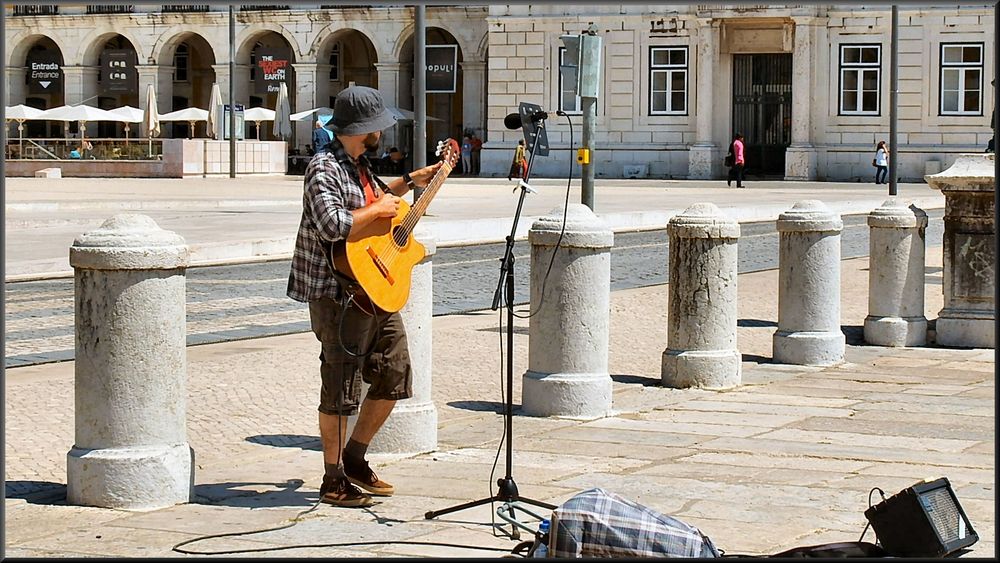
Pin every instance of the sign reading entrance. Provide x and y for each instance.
(442, 69)
(273, 67)
(118, 72)
(44, 73)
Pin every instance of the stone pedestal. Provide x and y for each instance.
(967, 319)
(130, 447)
(701, 318)
(809, 286)
(568, 332)
(701, 161)
(412, 426)
(896, 275)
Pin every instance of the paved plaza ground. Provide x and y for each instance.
(787, 458)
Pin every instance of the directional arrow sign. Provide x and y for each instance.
(44, 84)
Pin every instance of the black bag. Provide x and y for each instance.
(873, 162)
(836, 550)
(729, 160)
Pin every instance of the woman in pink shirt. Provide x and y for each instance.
(736, 170)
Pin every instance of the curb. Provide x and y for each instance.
(447, 233)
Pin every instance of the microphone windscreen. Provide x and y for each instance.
(512, 121)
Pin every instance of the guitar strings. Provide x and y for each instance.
(410, 221)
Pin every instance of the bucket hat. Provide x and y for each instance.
(359, 110)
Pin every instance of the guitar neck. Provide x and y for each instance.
(420, 206)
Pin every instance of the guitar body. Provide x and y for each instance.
(380, 264)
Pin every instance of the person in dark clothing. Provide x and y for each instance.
(321, 139)
(736, 161)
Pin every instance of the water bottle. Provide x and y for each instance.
(542, 539)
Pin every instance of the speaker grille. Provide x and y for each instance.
(944, 515)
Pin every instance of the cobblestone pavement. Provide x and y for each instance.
(785, 459)
(248, 301)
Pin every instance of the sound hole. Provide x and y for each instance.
(400, 235)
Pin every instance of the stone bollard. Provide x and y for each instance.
(701, 319)
(130, 449)
(896, 275)
(967, 318)
(412, 426)
(568, 333)
(809, 286)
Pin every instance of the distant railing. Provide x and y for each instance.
(36, 10)
(110, 8)
(175, 8)
(742, 7)
(262, 7)
(104, 149)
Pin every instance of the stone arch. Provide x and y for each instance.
(322, 39)
(19, 53)
(94, 44)
(166, 44)
(246, 40)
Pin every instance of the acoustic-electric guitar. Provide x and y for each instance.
(382, 263)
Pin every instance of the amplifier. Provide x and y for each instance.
(924, 520)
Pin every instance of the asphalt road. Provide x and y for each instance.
(248, 300)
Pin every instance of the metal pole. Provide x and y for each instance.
(232, 93)
(587, 175)
(420, 96)
(893, 99)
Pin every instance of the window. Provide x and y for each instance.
(962, 79)
(335, 63)
(668, 80)
(181, 63)
(569, 102)
(860, 79)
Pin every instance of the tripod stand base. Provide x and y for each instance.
(511, 501)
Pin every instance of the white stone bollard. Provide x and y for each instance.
(701, 318)
(568, 333)
(896, 275)
(969, 312)
(809, 286)
(130, 449)
(412, 426)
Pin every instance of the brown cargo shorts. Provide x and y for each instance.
(386, 370)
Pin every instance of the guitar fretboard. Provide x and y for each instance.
(420, 206)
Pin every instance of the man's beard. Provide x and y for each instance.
(372, 141)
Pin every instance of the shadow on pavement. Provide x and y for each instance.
(636, 379)
(481, 406)
(287, 441)
(36, 492)
(255, 495)
(755, 323)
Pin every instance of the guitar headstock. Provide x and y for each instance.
(449, 151)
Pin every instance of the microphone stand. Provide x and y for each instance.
(507, 492)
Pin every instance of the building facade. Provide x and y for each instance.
(807, 85)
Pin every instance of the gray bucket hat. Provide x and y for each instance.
(359, 110)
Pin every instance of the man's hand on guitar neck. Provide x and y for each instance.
(421, 177)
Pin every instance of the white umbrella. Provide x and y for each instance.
(191, 115)
(406, 115)
(308, 113)
(81, 113)
(150, 117)
(214, 113)
(128, 115)
(21, 113)
(257, 115)
(282, 114)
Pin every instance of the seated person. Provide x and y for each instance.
(75, 154)
(394, 161)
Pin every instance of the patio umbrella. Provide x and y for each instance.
(81, 114)
(257, 115)
(405, 114)
(191, 115)
(151, 117)
(307, 114)
(21, 113)
(282, 114)
(214, 113)
(128, 115)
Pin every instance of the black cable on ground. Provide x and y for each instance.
(295, 520)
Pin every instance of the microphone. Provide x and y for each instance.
(513, 120)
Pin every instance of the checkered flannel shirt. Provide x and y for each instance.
(332, 190)
(597, 523)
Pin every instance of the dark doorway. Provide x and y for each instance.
(762, 110)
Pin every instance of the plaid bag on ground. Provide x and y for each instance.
(597, 523)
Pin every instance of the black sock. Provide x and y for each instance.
(334, 470)
(355, 450)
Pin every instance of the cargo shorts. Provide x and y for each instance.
(386, 369)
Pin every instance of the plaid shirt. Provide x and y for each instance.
(332, 190)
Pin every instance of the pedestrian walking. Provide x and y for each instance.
(519, 165)
(339, 201)
(881, 162)
(736, 161)
(477, 150)
(321, 138)
(466, 150)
